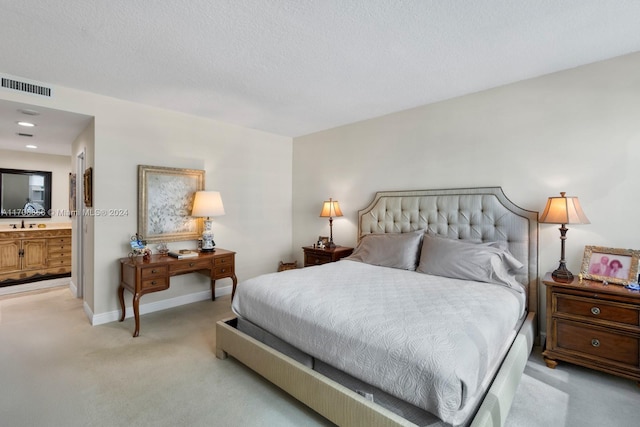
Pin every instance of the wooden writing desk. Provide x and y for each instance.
(140, 276)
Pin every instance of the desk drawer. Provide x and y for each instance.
(155, 283)
(156, 271)
(604, 344)
(223, 260)
(597, 309)
(190, 265)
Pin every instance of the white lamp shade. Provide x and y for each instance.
(330, 208)
(563, 210)
(207, 204)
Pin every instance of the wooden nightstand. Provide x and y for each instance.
(593, 325)
(314, 256)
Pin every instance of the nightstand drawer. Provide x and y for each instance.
(597, 309)
(607, 345)
(317, 259)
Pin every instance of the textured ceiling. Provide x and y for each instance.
(294, 67)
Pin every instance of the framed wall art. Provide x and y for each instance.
(72, 194)
(610, 265)
(165, 200)
(88, 187)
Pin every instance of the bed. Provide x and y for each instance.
(430, 322)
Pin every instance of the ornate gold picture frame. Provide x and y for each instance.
(88, 187)
(165, 200)
(611, 265)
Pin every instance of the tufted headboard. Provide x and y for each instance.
(478, 214)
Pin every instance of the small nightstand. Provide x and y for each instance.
(593, 325)
(315, 256)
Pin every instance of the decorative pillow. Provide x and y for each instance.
(482, 262)
(395, 250)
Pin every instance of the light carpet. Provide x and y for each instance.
(58, 370)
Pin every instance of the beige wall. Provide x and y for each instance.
(251, 169)
(576, 131)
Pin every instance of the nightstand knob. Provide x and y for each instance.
(595, 342)
(595, 311)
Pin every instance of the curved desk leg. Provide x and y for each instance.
(136, 314)
(121, 298)
(213, 289)
(235, 283)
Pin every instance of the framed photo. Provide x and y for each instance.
(165, 200)
(610, 264)
(324, 240)
(88, 187)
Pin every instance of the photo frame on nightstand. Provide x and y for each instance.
(610, 265)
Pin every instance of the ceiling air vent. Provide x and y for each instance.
(26, 86)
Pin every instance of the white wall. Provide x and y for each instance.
(59, 166)
(576, 131)
(251, 169)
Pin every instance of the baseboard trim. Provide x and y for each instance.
(112, 316)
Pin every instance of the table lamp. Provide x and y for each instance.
(330, 208)
(205, 205)
(563, 210)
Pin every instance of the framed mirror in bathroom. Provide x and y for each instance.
(25, 193)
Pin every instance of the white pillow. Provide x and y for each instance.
(481, 262)
(395, 250)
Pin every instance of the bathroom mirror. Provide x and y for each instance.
(25, 194)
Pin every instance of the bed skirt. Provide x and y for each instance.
(345, 407)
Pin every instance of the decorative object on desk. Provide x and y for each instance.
(162, 248)
(183, 253)
(563, 210)
(612, 265)
(323, 242)
(330, 208)
(138, 246)
(206, 205)
(165, 200)
(88, 187)
(633, 286)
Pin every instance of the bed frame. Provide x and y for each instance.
(482, 214)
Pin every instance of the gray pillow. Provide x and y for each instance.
(482, 262)
(395, 250)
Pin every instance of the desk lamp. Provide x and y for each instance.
(205, 205)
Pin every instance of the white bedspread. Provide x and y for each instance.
(425, 339)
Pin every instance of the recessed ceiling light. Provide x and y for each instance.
(26, 124)
(33, 147)
(29, 112)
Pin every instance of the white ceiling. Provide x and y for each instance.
(294, 67)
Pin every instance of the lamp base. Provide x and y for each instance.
(562, 275)
(208, 250)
